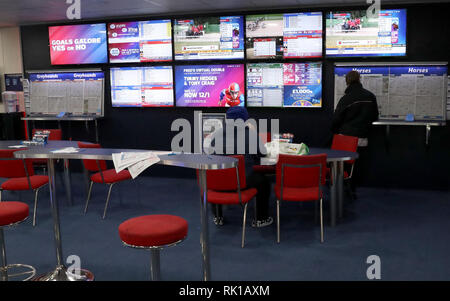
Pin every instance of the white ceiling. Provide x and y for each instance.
(20, 12)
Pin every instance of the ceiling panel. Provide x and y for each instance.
(21, 12)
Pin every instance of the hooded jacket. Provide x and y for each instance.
(355, 112)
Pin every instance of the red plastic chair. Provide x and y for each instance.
(265, 169)
(101, 174)
(345, 143)
(11, 214)
(55, 134)
(300, 179)
(21, 176)
(229, 187)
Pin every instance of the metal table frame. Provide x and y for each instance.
(194, 161)
(86, 119)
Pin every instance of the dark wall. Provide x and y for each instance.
(403, 162)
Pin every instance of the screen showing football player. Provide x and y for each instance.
(231, 97)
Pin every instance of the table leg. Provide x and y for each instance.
(340, 188)
(96, 131)
(60, 273)
(68, 181)
(333, 193)
(204, 237)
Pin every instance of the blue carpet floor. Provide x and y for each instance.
(407, 229)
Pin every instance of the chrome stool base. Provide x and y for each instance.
(62, 274)
(22, 270)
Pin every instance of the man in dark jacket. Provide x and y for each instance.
(354, 115)
(356, 110)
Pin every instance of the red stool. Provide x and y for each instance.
(11, 214)
(153, 232)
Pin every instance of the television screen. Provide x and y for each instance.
(146, 41)
(210, 85)
(209, 38)
(142, 86)
(78, 44)
(276, 36)
(284, 85)
(353, 33)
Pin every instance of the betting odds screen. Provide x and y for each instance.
(142, 86)
(276, 36)
(145, 41)
(284, 85)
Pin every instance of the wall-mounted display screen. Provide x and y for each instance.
(76, 93)
(354, 33)
(209, 38)
(276, 36)
(78, 44)
(284, 85)
(145, 41)
(142, 86)
(210, 85)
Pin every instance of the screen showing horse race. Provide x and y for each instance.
(209, 38)
(355, 33)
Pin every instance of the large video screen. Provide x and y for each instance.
(209, 38)
(276, 36)
(145, 41)
(78, 44)
(210, 85)
(353, 33)
(284, 85)
(142, 86)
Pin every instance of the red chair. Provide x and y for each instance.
(345, 143)
(11, 214)
(55, 134)
(153, 232)
(229, 187)
(21, 176)
(300, 179)
(265, 169)
(101, 174)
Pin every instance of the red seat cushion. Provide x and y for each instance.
(266, 169)
(22, 183)
(153, 230)
(111, 176)
(298, 194)
(12, 212)
(228, 198)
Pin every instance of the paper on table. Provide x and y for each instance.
(137, 168)
(67, 150)
(126, 159)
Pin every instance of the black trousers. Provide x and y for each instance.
(261, 183)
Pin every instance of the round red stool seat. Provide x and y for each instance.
(153, 230)
(12, 212)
